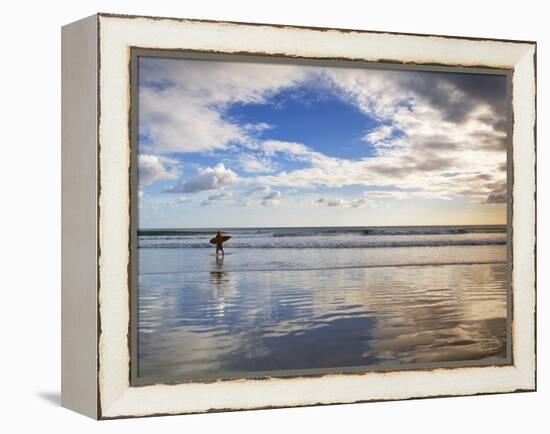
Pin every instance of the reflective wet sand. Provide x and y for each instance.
(221, 322)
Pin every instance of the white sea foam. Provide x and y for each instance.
(332, 238)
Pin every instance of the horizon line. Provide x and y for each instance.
(303, 227)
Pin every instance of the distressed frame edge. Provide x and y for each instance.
(139, 52)
(79, 135)
(305, 27)
(528, 388)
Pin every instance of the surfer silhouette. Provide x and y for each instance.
(218, 240)
(219, 244)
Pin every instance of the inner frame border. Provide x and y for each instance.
(254, 57)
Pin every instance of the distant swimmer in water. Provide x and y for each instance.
(218, 240)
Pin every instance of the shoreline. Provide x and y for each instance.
(209, 230)
(351, 267)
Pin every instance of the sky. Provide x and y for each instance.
(249, 144)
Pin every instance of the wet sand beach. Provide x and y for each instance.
(260, 311)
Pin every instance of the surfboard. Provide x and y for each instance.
(219, 239)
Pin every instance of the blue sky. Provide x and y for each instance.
(225, 144)
(313, 115)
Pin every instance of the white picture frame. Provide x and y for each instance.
(96, 245)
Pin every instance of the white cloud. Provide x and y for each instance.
(379, 134)
(181, 102)
(221, 196)
(256, 164)
(386, 194)
(207, 179)
(180, 200)
(259, 189)
(176, 125)
(244, 202)
(153, 168)
(295, 151)
(257, 128)
(443, 128)
(331, 202)
(272, 147)
(272, 199)
(430, 144)
(358, 203)
(344, 203)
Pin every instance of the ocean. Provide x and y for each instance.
(285, 301)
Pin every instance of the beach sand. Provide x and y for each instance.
(281, 309)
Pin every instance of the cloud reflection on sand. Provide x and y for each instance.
(230, 323)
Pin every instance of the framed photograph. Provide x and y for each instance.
(261, 216)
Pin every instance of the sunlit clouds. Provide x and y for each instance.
(255, 137)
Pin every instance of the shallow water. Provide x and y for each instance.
(278, 309)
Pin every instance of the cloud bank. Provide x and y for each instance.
(434, 136)
(210, 178)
